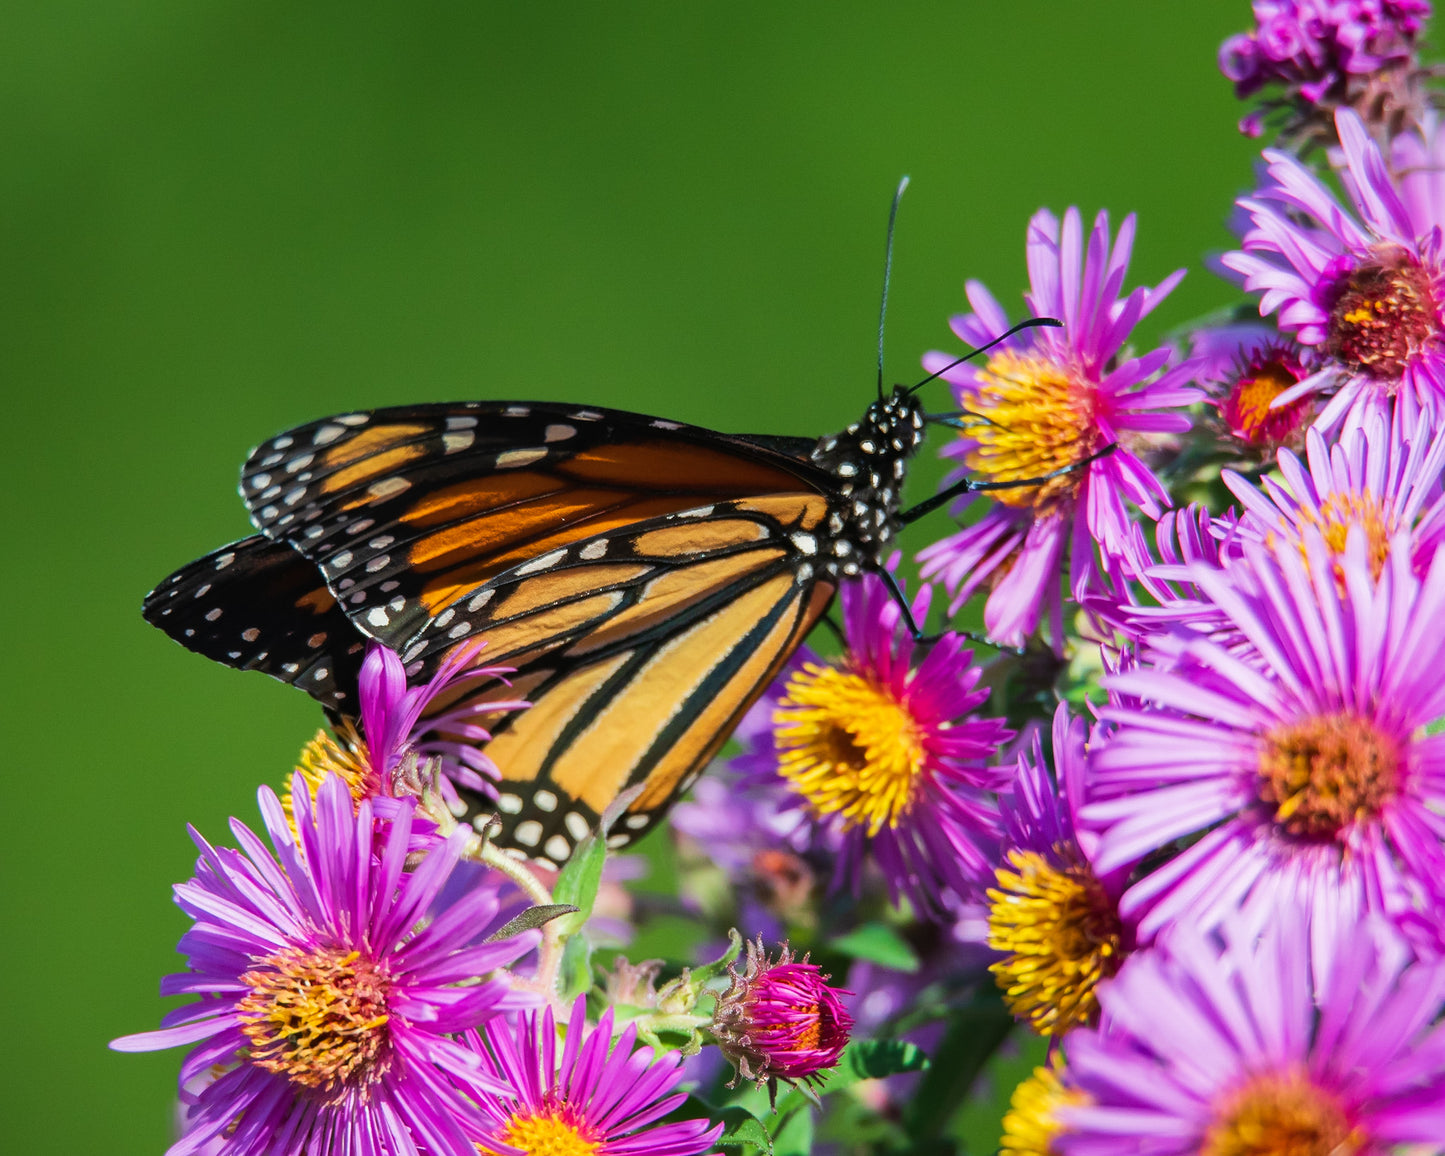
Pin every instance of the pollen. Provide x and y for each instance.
(1032, 417)
(1246, 408)
(343, 754)
(1326, 773)
(318, 1017)
(1282, 1113)
(1030, 1125)
(849, 747)
(1383, 314)
(1063, 936)
(1340, 513)
(548, 1132)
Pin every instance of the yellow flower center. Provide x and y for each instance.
(1029, 1125)
(1030, 418)
(546, 1133)
(318, 1017)
(1384, 313)
(1340, 513)
(848, 746)
(1246, 408)
(1282, 1115)
(343, 754)
(1063, 935)
(1327, 772)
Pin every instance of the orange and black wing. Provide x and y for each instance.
(639, 650)
(259, 605)
(406, 510)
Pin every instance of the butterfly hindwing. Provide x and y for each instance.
(639, 652)
(259, 605)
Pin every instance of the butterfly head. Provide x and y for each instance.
(869, 459)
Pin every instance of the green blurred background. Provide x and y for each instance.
(218, 220)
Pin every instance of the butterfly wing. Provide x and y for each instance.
(639, 651)
(406, 510)
(259, 605)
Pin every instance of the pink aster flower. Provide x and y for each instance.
(600, 1097)
(1055, 918)
(399, 729)
(323, 994)
(1235, 1044)
(885, 755)
(1374, 481)
(1299, 758)
(780, 1019)
(1048, 400)
(1366, 288)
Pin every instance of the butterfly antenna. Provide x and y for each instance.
(1031, 323)
(887, 274)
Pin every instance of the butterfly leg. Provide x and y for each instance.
(969, 486)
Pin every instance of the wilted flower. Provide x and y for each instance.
(780, 1019)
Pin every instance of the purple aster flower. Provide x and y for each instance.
(1375, 482)
(1047, 400)
(779, 1019)
(1325, 54)
(323, 993)
(1298, 759)
(1237, 1044)
(883, 755)
(374, 760)
(599, 1098)
(1366, 289)
(1055, 918)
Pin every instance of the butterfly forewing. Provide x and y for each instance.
(259, 605)
(406, 510)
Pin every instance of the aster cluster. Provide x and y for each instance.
(1171, 809)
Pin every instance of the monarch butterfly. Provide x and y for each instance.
(646, 579)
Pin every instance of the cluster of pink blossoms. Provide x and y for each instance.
(1187, 822)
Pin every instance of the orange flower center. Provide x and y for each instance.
(318, 1017)
(1247, 411)
(1282, 1115)
(1325, 773)
(1384, 313)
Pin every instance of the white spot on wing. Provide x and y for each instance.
(559, 432)
(327, 434)
(577, 826)
(558, 848)
(637, 822)
(593, 550)
(354, 418)
(386, 488)
(659, 423)
(509, 804)
(545, 562)
(461, 423)
(481, 599)
(545, 800)
(511, 459)
(377, 617)
(529, 833)
(459, 629)
(456, 442)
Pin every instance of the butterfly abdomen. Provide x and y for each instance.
(869, 459)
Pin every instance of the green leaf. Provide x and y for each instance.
(874, 1059)
(878, 943)
(795, 1134)
(531, 918)
(741, 1127)
(581, 875)
(700, 975)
